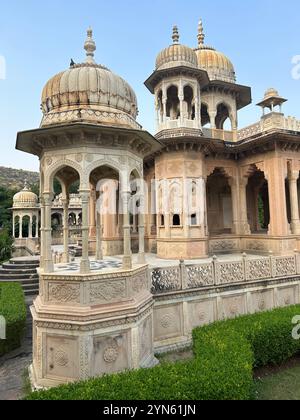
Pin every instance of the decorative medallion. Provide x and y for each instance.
(61, 358)
(111, 354)
(167, 321)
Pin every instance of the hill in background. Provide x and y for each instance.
(14, 178)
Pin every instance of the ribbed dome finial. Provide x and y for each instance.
(90, 47)
(175, 35)
(26, 188)
(201, 34)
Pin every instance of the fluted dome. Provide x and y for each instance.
(89, 93)
(217, 65)
(25, 198)
(176, 55)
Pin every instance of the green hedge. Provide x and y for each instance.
(225, 354)
(13, 309)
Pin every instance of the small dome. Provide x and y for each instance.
(25, 198)
(271, 93)
(176, 55)
(89, 93)
(217, 65)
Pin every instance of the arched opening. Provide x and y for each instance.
(205, 119)
(17, 227)
(65, 182)
(188, 103)
(35, 227)
(176, 220)
(194, 221)
(56, 221)
(106, 213)
(72, 220)
(160, 106)
(223, 117)
(173, 108)
(26, 227)
(258, 202)
(219, 203)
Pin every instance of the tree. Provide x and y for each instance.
(6, 245)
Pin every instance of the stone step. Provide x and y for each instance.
(9, 266)
(19, 271)
(34, 291)
(21, 260)
(18, 277)
(23, 281)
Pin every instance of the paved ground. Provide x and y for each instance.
(14, 365)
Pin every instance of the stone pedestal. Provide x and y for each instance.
(87, 326)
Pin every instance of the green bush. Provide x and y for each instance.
(6, 245)
(13, 309)
(225, 354)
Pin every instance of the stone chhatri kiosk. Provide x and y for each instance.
(87, 323)
(218, 214)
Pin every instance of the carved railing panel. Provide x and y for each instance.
(284, 266)
(201, 275)
(258, 269)
(166, 279)
(194, 276)
(230, 272)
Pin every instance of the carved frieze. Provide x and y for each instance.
(64, 293)
(105, 292)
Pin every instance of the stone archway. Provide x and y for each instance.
(219, 203)
(258, 201)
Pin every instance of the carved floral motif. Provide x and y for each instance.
(106, 292)
(166, 279)
(64, 293)
(200, 275)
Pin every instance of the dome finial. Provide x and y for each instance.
(25, 185)
(175, 35)
(201, 35)
(90, 47)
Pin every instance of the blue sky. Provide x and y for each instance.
(38, 39)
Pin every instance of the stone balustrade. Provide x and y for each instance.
(219, 272)
(269, 122)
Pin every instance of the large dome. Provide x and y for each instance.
(89, 93)
(217, 65)
(176, 55)
(25, 198)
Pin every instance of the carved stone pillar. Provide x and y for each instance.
(65, 203)
(212, 117)
(141, 256)
(295, 224)
(48, 261)
(234, 199)
(13, 227)
(99, 253)
(42, 230)
(85, 263)
(21, 227)
(276, 175)
(30, 228)
(127, 258)
(37, 225)
(245, 228)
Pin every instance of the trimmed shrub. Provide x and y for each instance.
(225, 354)
(13, 309)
